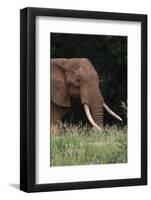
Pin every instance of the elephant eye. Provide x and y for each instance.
(78, 79)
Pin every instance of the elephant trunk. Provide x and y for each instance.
(97, 114)
(89, 116)
(92, 97)
(96, 106)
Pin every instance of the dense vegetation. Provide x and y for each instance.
(109, 56)
(76, 145)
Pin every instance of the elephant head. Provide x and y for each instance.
(77, 78)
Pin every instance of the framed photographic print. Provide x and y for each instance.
(83, 99)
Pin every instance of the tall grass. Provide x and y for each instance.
(76, 145)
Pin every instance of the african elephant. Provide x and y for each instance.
(76, 78)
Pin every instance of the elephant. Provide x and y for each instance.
(76, 78)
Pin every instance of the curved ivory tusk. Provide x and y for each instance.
(89, 116)
(111, 112)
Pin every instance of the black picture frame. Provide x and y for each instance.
(28, 98)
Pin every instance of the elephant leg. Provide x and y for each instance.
(57, 113)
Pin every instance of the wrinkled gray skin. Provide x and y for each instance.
(76, 78)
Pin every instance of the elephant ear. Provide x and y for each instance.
(59, 88)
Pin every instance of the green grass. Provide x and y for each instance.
(76, 145)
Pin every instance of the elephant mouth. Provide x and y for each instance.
(91, 120)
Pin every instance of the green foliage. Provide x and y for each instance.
(109, 56)
(124, 106)
(124, 111)
(77, 145)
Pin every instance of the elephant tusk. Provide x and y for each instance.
(89, 116)
(111, 112)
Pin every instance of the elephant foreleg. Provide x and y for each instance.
(57, 113)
